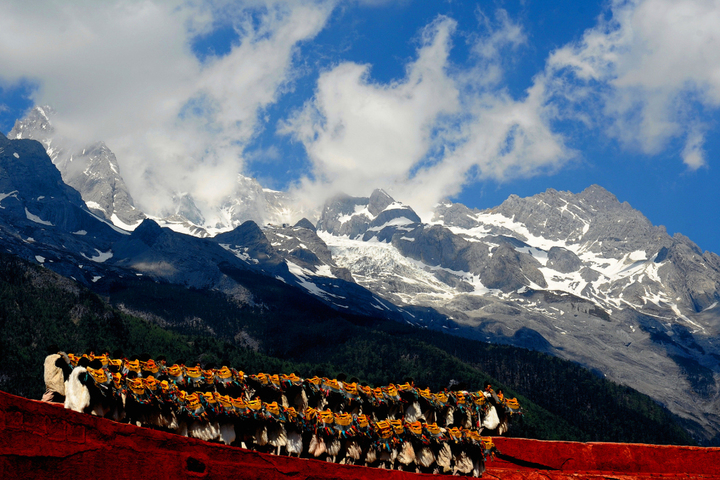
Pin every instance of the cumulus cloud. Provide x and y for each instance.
(125, 72)
(419, 138)
(362, 135)
(651, 65)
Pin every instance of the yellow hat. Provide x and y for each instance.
(432, 428)
(104, 359)
(343, 419)
(415, 427)
(384, 429)
(272, 408)
(363, 421)
(397, 425)
(225, 401)
(150, 366)
(133, 365)
(98, 375)
(326, 416)
(351, 388)
(192, 401)
(136, 385)
(150, 383)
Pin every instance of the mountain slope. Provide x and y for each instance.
(39, 307)
(580, 276)
(93, 171)
(90, 169)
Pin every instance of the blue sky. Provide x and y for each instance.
(428, 99)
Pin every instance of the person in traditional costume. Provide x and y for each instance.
(57, 369)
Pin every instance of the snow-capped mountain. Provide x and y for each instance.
(91, 169)
(44, 220)
(581, 276)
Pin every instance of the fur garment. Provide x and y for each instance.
(463, 463)
(491, 420)
(294, 443)
(204, 430)
(406, 455)
(77, 395)
(317, 446)
(413, 413)
(277, 436)
(227, 433)
(424, 457)
(353, 451)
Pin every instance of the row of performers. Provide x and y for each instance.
(394, 426)
(232, 383)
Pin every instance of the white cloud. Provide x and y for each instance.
(419, 138)
(124, 72)
(650, 66)
(693, 154)
(361, 135)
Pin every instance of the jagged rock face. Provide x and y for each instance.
(249, 243)
(345, 215)
(563, 260)
(301, 246)
(375, 216)
(38, 209)
(250, 201)
(581, 276)
(92, 170)
(576, 275)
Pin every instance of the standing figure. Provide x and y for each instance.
(56, 370)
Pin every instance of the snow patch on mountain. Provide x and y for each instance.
(304, 276)
(36, 219)
(3, 196)
(100, 257)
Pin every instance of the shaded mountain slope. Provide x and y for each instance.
(38, 307)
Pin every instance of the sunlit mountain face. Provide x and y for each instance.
(577, 275)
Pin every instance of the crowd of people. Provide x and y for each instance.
(394, 426)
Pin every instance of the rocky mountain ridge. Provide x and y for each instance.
(93, 171)
(581, 276)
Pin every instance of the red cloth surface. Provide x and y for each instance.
(40, 440)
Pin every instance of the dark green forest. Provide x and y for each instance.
(284, 330)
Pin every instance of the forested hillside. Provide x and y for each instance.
(284, 330)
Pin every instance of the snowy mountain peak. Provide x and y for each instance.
(379, 201)
(92, 169)
(377, 216)
(581, 275)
